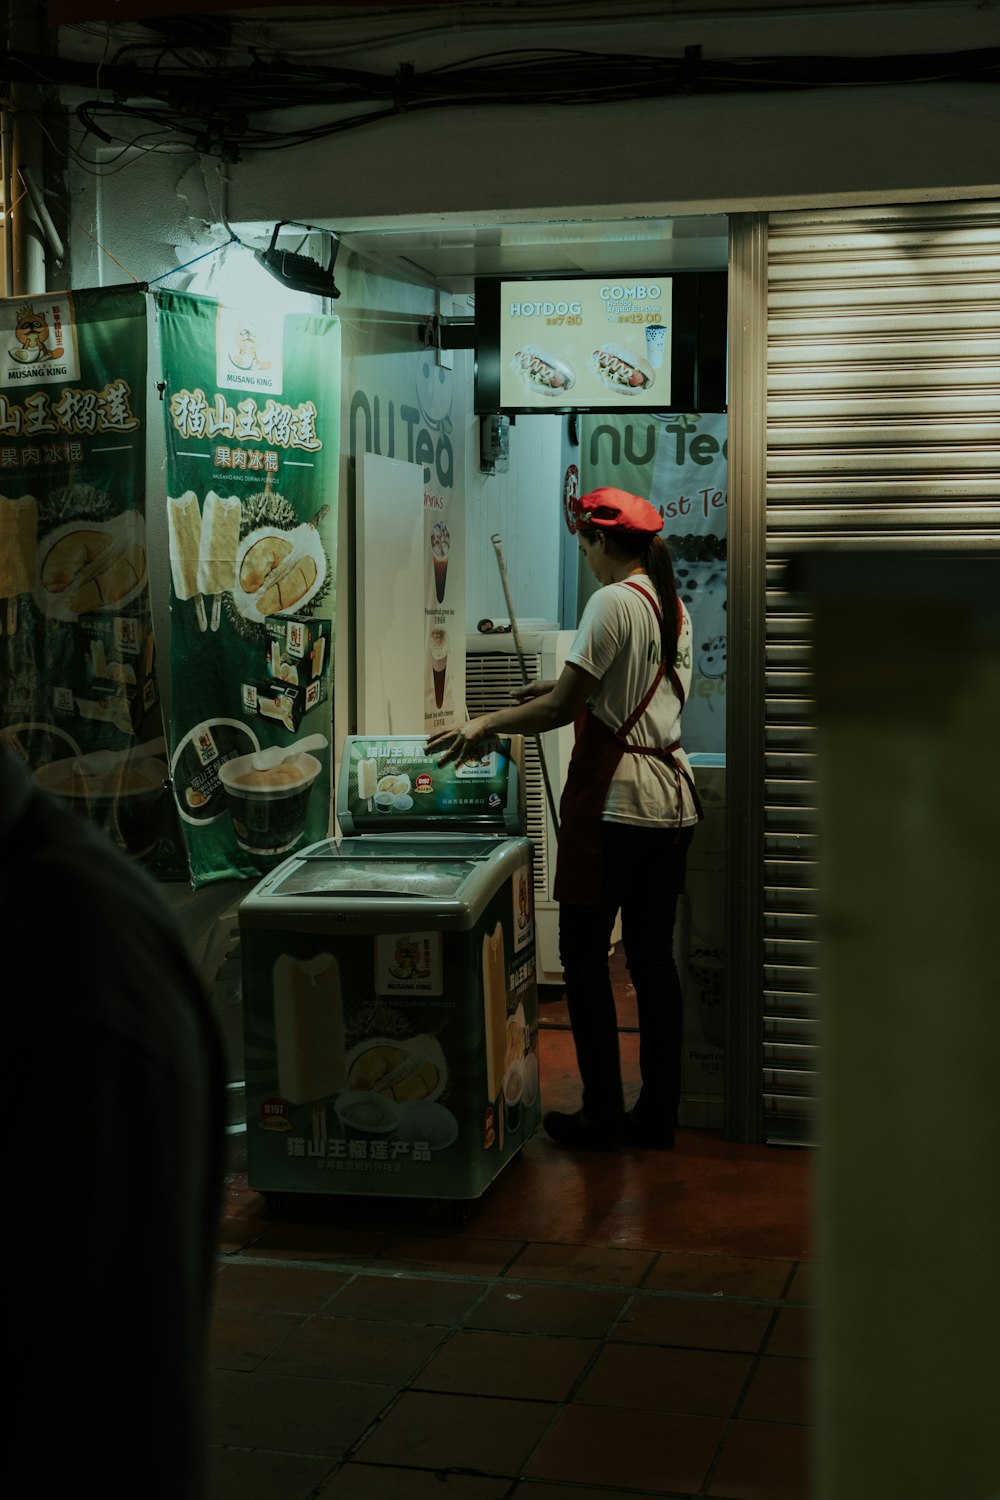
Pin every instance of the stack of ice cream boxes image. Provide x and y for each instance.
(389, 995)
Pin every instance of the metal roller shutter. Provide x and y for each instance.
(883, 429)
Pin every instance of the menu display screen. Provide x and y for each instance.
(609, 343)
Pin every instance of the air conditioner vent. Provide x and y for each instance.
(491, 679)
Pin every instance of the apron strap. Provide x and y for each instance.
(675, 681)
(666, 753)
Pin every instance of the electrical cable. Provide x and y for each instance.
(234, 239)
(219, 110)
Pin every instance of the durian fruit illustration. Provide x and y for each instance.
(18, 547)
(281, 564)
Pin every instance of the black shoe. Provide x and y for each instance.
(579, 1133)
(639, 1134)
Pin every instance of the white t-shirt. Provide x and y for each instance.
(618, 642)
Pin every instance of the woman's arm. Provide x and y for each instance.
(560, 704)
(533, 689)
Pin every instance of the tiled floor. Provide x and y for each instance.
(598, 1327)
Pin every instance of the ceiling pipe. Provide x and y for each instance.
(26, 34)
(8, 204)
(52, 236)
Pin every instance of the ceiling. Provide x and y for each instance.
(451, 258)
(374, 39)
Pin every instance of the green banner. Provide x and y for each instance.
(252, 411)
(679, 463)
(78, 697)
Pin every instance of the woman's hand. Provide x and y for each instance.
(459, 744)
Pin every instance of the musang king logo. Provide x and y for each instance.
(38, 339)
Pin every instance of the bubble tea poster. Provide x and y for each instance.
(252, 412)
(680, 463)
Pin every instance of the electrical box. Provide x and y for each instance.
(494, 445)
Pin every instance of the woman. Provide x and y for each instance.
(626, 815)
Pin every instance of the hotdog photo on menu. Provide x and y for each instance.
(585, 342)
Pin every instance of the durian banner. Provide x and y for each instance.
(78, 688)
(251, 403)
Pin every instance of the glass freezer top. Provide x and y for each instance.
(353, 868)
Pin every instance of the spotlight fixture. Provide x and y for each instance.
(300, 273)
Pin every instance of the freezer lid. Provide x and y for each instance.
(431, 868)
(388, 784)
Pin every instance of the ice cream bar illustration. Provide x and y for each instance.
(367, 778)
(495, 1009)
(440, 548)
(309, 1027)
(184, 527)
(220, 536)
(18, 548)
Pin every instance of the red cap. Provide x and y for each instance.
(616, 510)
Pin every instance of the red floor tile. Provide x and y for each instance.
(607, 1265)
(548, 1309)
(352, 1349)
(431, 1431)
(780, 1391)
(802, 1288)
(294, 1239)
(695, 1323)
(530, 1490)
(234, 1474)
(376, 1482)
(509, 1365)
(241, 1338)
(704, 1383)
(462, 1253)
(708, 1196)
(792, 1333)
(601, 1445)
(416, 1300)
(729, 1275)
(763, 1461)
(285, 1415)
(281, 1289)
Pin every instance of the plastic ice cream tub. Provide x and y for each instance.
(123, 800)
(269, 808)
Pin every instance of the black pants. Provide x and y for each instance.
(642, 876)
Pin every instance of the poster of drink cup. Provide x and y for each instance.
(679, 463)
(408, 405)
(78, 693)
(252, 413)
(444, 614)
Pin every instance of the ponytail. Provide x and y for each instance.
(658, 564)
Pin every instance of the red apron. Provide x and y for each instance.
(596, 756)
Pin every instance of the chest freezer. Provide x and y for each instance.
(389, 991)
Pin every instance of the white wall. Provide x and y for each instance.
(524, 508)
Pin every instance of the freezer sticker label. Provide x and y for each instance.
(477, 767)
(409, 963)
(360, 1155)
(524, 915)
